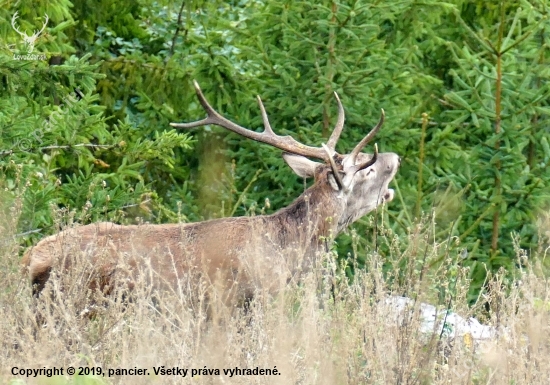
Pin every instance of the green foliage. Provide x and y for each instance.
(498, 108)
(57, 140)
(464, 84)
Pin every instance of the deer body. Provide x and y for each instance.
(245, 248)
(237, 255)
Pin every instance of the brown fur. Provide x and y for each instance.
(239, 254)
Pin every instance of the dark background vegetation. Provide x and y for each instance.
(464, 83)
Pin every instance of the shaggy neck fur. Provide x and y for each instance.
(315, 214)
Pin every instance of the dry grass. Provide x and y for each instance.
(320, 331)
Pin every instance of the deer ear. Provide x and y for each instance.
(301, 165)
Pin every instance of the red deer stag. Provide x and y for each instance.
(238, 255)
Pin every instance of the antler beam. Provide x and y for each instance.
(285, 143)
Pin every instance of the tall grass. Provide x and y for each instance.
(321, 330)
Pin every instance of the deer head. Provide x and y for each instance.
(29, 40)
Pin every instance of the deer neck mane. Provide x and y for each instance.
(315, 214)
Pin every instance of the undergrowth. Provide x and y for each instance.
(322, 330)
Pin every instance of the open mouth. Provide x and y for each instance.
(388, 196)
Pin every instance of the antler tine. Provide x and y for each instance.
(369, 162)
(335, 171)
(367, 138)
(339, 125)
(285, 143)
(267, 126)
(211, 114)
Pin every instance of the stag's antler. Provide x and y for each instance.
(286, 143)
(364, 142)
(268, 136)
